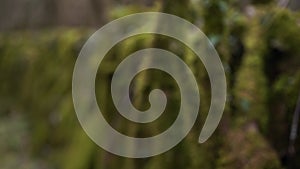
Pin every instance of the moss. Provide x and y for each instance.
(37, 83)
(284, 31)
(246, 148)
(251, 90)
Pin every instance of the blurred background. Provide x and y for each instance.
(257, 40)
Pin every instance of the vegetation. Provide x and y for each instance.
(258, 44)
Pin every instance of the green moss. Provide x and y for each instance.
(251, 87)
(246, 148)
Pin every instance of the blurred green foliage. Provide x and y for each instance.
(39, 128)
